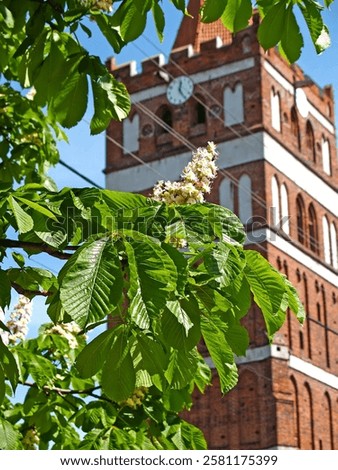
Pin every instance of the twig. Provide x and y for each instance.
(42, 247)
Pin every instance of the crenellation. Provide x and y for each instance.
(152, 64)
(215, 43)
(184, 52)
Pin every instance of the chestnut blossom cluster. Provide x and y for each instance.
(196, 179)
(18, 321)
(69, 331)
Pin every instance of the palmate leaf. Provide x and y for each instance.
(91, 282)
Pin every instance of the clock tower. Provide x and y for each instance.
(275, 132)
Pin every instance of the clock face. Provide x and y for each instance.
(180, 90)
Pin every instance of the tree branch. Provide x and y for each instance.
(63, 391)
(27, 292)
(42, 247)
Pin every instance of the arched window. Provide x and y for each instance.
(313, 229)
(198, 112)
(328, 413)
(244, 199)
(295, 127)
(164, 113)
(300, 209)
(296, 412)
(333, 237)
(226, 194)
(326, 240)
(233, 105)
(326, 156)
(275, 110)
(310, 142)
(307, 429)
(285, 225)
(131, 133)
(275, 210)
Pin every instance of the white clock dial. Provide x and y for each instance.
(180, 90)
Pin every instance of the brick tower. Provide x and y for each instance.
(275, 132)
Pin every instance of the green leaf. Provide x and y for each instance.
(118, 374)
(91, 282)
(70, 104)
(193, 436)
(175, 308)
(294, 301)
(237, 14)
(318, 31)
(5, 291)
(268, 288)
(92, 357)
(2, 385)
(179, 4)
(40, 368)
(122, 200)
(181, 368)
(9, 365)
(37, 207)
(272, 27)
(153, 359)
(292, 39)
(210, 10)
(24, 221)
(221, 354)
(110, 32)
(111, 101)
(175, 334)
(18, 258)
(133, 23)
(9, 436)
(159, 20)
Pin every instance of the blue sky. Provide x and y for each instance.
(87, 153)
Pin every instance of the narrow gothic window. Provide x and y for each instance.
(244, 199)
(310, 142)
(285, 225)
(300, 220)
(326, 157)
(131, 134)
(165, 115)
(233, 105)
(334, 253)
(275, 110)
(275, 210)
(326, 239)
(226, 194)
(313, 230)
(198, 112)
(295, 126)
